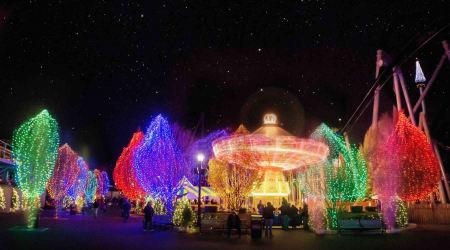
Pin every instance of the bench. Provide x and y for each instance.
(217, 222)
(360, 225)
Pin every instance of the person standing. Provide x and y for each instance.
(268, 219)
(234, 222)
(148, 216)
(126, 210)
(95, 206)
(260, 207)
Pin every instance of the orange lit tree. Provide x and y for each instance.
(232, 183)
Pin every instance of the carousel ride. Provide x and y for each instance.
(274, 151)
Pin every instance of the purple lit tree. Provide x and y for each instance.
(159, 163)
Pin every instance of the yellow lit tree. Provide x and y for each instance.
(232, 183)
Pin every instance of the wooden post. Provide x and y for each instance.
(406, 95)
(397, 91)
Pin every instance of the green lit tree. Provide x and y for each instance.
(183, 216)
(35, 148)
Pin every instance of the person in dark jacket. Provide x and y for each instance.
(126, 210)
(148, 216)
(234, 222)
(268, 219)
(293, 214)
(95, 206)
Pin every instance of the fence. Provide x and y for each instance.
(429, 214)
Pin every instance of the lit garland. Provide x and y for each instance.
(183, 215)
(124, 174)
(91, 187)
(159, 163)
(65, 173)
(35, 148)
(2, 199)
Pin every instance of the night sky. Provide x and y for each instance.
(105, 68)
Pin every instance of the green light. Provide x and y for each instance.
(342, 178)
(35, 148)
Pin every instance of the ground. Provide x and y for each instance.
(110, 232)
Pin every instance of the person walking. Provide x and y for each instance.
(268, 219)
(148, 216)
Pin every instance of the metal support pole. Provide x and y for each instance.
(376, 98)
(446, 48)
(443, 176)
(406, 95)
(199, 211)
(430, 82)
(443, 179)
(397, 91)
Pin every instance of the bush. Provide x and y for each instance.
(183, 215)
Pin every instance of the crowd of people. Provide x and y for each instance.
(288, 216)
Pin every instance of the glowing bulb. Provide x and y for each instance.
(200, 157)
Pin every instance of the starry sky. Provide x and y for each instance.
(105, 68)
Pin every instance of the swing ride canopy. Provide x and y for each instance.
(270, 147)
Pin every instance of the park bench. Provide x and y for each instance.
(360, 225)
(162, 222)
(217, 223)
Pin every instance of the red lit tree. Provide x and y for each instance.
(124, 175)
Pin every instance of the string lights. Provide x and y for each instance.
(419, 170)
(342, 178)
(2, 199)
(35, 148)
(159, 163)
(91, 187)
(79, 186)
(124, 174)
(65, 173)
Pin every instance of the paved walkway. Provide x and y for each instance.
(107, 232)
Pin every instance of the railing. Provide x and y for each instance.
(429, 214)
(5, 152)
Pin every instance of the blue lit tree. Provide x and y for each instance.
(159, 163)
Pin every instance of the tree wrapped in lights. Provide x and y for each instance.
(124, 174)
(419, 170)
(79, 186)
(91, 187)
(105, 181)
(64, 175)
(342, 178)
(159, 163)
(102, 183)
(183, 215)
(35, 148)
(232, 183)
